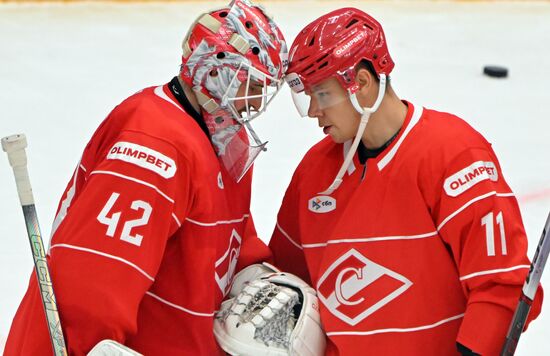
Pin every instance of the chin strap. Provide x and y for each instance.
(365, 116)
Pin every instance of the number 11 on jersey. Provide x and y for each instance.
(488, 222)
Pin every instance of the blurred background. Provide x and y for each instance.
(65, 65)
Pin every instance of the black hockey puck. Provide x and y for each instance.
(495, 71)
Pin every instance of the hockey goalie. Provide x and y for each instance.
(269, 312)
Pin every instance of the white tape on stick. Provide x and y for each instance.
(14, 146)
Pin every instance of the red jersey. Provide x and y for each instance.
(419, 248)
(147, 238)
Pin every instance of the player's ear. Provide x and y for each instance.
(364, 78)
(366, 81)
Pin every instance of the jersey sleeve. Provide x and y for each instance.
(478, 217)
(115, 221)
(107, 251)
(285, 243)
(253, 250)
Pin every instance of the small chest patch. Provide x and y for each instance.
(321, 204)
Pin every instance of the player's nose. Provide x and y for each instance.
(255, 103)
(314, 110)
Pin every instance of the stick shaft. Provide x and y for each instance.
(528, 292)
(14, 146)
(44, 280)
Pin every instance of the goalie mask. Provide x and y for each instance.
(234, 59)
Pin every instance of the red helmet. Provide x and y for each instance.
(333, 45)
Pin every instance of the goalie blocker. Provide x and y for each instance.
(270, 313)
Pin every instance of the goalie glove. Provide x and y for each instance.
(249, 274)
(112, 348)
(275, 314)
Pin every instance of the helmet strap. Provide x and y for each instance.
(365, 116)
(355, 102)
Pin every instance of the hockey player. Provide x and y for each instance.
(417, 247)
(155, 220)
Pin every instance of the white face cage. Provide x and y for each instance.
(245, 97)
(255, 79)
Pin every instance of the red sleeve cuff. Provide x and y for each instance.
(484, 328)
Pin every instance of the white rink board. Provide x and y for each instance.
(63, 67)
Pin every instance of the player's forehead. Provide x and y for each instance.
(330, 84)
(327, 84)
(252, 83)
(256, 83)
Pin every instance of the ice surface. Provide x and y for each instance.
(63, 67)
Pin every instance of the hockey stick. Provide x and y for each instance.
(14, 146)
(528, 293)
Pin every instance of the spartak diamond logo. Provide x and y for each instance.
(226, 265)
(354, 287)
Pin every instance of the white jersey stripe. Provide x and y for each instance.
(116, 258)
(372, 239)
(66, 203)
(414, 120)
(161, 94)
(221, 222)
(395, 330)
(179, 307)
(287, 236)
(176, 219)
(135, 180)
(320, 244)
(493, 271)
(476, 199)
